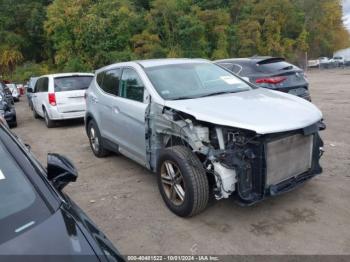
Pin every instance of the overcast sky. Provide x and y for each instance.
(346, 11)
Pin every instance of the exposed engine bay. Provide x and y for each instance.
(238, 162)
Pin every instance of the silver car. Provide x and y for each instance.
(203, 131)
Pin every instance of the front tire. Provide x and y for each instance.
(182, 181)
(95, 140)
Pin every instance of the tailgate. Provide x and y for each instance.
(69, 91)
(294, 78)
(70, 101)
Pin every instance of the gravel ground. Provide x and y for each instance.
(123, 199)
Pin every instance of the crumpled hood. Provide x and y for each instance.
(260, 110)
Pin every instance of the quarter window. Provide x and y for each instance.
(99, 78)
(131, 86)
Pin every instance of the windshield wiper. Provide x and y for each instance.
(183, 97)
(218, 93)
(206, 95)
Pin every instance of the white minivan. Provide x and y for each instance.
(60, 96)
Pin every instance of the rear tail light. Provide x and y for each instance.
(52, 99)
(271, 80)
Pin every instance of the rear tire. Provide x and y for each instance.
(95, 140)
(186, 191)
(48, 122)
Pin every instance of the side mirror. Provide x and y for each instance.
(60, 171)
(30, 90)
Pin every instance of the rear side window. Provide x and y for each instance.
(228, 66)
(72, 83)
(42, 85)
(109, 81)
(275, 67)
(131, 86)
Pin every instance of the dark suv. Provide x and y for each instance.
(270, 72)
(7, 108)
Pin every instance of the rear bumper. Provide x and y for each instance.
(290, 90)
(54, 114)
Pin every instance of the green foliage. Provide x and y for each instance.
(82, 35)
(29, 69)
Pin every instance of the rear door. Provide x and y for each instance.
(110, 121)
(69, 91)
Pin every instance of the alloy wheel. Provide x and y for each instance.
(173, 182)
(94, 140)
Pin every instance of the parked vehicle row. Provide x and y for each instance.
(325, 62)
(203, 128)
(33, 207)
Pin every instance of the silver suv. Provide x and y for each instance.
(203, 131)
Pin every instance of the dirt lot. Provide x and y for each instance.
(123, 199)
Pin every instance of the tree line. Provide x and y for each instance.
(41, 36)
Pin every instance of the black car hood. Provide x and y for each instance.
(57, 236)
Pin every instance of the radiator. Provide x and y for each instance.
(288, 157)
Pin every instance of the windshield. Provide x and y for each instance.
(193, 80)
(20, 205)
(71, 83)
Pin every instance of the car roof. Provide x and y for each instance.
(170, 61)
(155, 62)
(253, 59)
(67, 74)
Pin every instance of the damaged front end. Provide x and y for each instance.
(238, 162)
